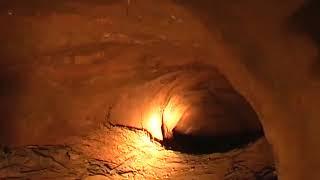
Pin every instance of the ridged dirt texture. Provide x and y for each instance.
(122, 153)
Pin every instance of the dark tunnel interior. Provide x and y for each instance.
(206, 144)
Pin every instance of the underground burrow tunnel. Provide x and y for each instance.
(190, 108)
(151, 89)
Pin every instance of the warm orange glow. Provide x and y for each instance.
(148, 155)
(173, 113)
(154, 125)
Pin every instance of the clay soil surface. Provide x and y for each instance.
(65, 63)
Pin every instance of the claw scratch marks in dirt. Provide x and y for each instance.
(123, 162)
(8, 166)
(48, 156)
(134, 129)
(239, 168)
(33, 170)
(131, 163)
(100, 167)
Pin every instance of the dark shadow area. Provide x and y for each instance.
(223, 120)
(306, 21)
(11, 82)
(33, 7)
(191, 144)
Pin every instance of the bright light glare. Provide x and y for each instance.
(172, 113)
(154, 125)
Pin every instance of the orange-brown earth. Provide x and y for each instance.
(68, 67)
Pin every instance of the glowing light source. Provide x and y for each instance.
(173, 113)
(154, 125)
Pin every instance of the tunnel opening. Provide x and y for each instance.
(192, 110)
(208, 116)
(195, 144)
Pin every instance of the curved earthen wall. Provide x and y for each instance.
(69, 66)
